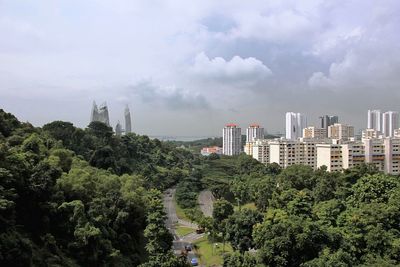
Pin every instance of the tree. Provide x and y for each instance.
(239, 228)
(61, 130)
(222, 209)
(287, 240)
(240, 190)
(100, 130)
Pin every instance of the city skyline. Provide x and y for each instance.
(189, 68)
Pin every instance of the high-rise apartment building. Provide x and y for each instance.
(383, 153)
(253, 132)
(290, 152)
(329, 155)
(231, 140)
(261, 151)
(340, 131)
(396, 133)
(390, 122)
(370, 133)
(295, 123)
(375, 120)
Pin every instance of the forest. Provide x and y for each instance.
(74, 197)
(85, 197)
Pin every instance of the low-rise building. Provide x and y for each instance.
(206, 151)
(313, 132)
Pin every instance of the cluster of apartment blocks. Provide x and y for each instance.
(332, 145)
(336, 155)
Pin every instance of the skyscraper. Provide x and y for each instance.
(118, 129)
(231, 140)
(128, 120)
(253, 132)
(94, 116)
(375, 120)
(327, 120)
(390, 123)
(100, 114)
(295, 123)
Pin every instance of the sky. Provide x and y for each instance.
(188, 68)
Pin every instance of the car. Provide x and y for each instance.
(194, 262)
(188, 247)
(199, 230)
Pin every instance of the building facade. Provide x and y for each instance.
(231, 140)
(295, 123)
(289, 152)
(374, 120)
(128, 120)
(261, 151)
(390, 122)
(316, 133)
(370, 133)
(329, 155)
(326, 121)
(341, 132)
(207, 151)
(100, 113)
(254, 132)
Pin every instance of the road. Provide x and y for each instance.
(172, 221)
(206, 200)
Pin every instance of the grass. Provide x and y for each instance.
(180, 212)
(183, 230)
(250, 206)
(208, 255)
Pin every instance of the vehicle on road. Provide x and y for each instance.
(188, 247)
(194, 262)
(199, 230)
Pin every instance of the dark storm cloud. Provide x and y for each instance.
(170, 97)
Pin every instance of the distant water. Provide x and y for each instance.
(181, 138)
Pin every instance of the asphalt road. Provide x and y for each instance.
(206, 200)
(172, 221)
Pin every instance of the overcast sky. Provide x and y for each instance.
(189, 67)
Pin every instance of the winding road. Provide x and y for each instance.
(206, 200)
(172, 221)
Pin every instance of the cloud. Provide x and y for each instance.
(314, 56)
(236, 70)
(284, 25)
(365, 58)
(171, 97)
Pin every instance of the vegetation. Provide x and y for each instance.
(304, 217)
(183, 230)
(73, 197)
(211, 254)
(85, 197)
(187, 192)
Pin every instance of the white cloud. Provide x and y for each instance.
(365, 58)
(242, 70)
